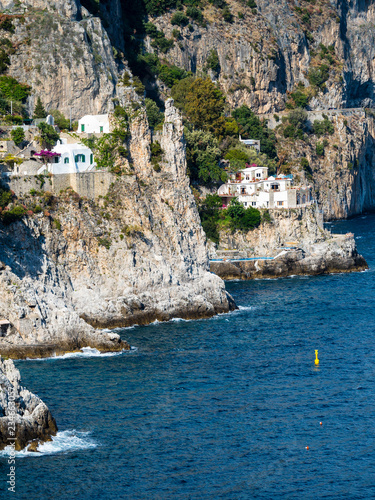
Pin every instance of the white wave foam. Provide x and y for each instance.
(358, 237)
(246, 308)
(86, 352)
(63, 442)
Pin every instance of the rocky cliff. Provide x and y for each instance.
(295, 243)
(343, 177)
(21, 410)
(65, 54)
(136, 255)
(265, 52)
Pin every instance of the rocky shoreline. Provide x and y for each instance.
(293, 243)
(22, 410)
(337, 256)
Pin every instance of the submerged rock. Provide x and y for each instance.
(24, 417)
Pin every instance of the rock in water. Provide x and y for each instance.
(31, 416)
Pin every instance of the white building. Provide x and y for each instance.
(253, 188)
(251, 143)
(72, 159)
(94, 124)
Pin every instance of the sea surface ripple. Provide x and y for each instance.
(222, 408)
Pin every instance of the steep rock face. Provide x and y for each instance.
(265, 54)
(65, 54)
(297, 243)
(31, 416)
(140, 257)
(343, 179)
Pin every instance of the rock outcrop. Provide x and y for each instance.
(65, 54)
(265, 53)
(343, 178)
(295, 243)
(23, 416)
(136, 255)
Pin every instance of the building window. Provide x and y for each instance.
(280, 203)
(253, 203)
(80, 158)
(56, 159)
(91, 159)
(82, 127)
(66, 160)
(101, 129)
(259, 174)
(245, 203)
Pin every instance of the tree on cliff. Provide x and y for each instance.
(204, 105)
(39, 111)
(48, 135)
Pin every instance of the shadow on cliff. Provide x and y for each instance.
(20, 250)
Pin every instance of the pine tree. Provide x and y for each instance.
(39, 111)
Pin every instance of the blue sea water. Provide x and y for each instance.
(221, 408)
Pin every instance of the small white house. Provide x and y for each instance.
(94, 124)
(71, 159)
(251, 143)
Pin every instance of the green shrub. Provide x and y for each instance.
(227, 15)
(17, 135)
(57, 224)
(213, 62)
(60, 120)
(5, 197)
(154, 115)
(13, 215)
(319, 149)
(195, 14)
(243, 218)
(322, 127)
(179, 19)
(48, 134)
(319, 75)
(105, 242)
(11, 89)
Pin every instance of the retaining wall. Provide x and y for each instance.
(87, 184)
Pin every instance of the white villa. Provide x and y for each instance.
(70, 159)
(94, 124)
(253, 188)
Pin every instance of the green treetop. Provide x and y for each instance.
(39, 111)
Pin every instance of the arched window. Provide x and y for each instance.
(80, 158)
(66, 160)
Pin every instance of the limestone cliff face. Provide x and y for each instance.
(65, 54)
(135, 256)
(343, 179)
(31, 416)
(265, 54)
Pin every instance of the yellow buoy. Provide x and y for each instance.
(316, 357)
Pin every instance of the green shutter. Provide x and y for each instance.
(82, 127)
